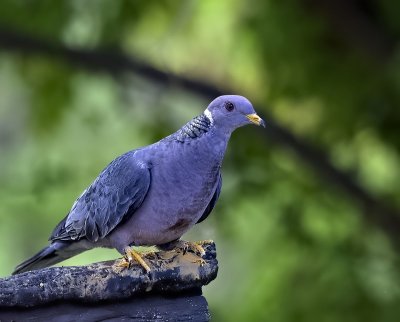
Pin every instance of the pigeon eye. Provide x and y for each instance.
(229, 106)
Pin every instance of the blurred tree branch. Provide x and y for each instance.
(112, 61)
(356, 23)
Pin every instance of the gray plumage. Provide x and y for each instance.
(154, 194)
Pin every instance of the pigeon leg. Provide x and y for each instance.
(199, 246)
(195, 247)
(131, 256)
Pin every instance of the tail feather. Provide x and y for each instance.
(54, 253)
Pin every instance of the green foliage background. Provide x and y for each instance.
(291, 246)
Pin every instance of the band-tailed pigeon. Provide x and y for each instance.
(154, 194)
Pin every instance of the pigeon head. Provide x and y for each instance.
(229, 112)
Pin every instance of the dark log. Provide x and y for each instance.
(101, 291)
(185, 307)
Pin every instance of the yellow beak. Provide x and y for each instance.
(255, 119)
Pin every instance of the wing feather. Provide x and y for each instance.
(113, 197)
(213, 201)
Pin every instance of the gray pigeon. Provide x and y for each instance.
(154, 194)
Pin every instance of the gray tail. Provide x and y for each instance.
(54, 253)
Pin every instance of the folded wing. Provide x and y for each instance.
(213, 201)
(112, 198)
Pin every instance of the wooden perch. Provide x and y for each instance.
(104, 285)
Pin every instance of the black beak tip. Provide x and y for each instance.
(262, 123)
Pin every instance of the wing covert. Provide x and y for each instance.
(113, 197)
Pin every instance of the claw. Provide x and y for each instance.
(185, 248)
(199, 248)
(195, 247)
(121, 264)
(132, 256)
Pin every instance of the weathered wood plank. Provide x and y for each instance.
(171, 272)
(186, 307)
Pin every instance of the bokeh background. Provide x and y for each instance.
(307, 226)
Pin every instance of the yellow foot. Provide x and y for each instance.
(122, 263)
(196, 247)
(199, 249)
(133, 256)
